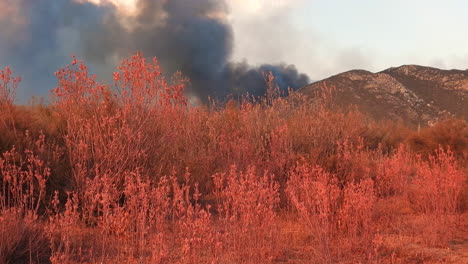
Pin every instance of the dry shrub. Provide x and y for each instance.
(393, 172)
(129, 223)
(66, 232)
(437, 195)
(22, 240)
(338, 219)
(314, 193)
(101, 122)
(23, 181)
(353, 162)
(438, 184)
(199, 241)
(316, 130)
(386, 135)
(8, 86)
(246, 208)
(21, 123)
(452, 134)
(146, 222)
(355, 216)
(117, 158)
(392, 176)
(36, 128)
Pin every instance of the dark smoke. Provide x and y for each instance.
(187, 35)
(240, 78)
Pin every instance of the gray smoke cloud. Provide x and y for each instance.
(191, 36)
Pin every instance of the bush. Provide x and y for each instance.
(339, 219)
(450, 134)
(437, 194)
(137, 175)
(22, 241)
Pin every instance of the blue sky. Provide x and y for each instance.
(324, 37)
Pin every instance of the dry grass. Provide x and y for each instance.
(134, 174)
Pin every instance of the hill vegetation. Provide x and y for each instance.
(132, 173)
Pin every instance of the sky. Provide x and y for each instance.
(225, 45)
(325, 37)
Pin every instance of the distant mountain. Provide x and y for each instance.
(414, 94)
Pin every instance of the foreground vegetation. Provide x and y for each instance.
(132, 173)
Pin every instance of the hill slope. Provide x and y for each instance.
(415, 94)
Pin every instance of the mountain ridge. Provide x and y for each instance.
(412, 93)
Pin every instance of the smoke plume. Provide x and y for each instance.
(191, 36)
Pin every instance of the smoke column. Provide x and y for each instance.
(187, 35)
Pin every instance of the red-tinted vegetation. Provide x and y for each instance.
(131, 173)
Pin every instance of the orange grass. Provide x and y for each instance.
(132, 173)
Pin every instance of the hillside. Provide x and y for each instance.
(414, 94)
